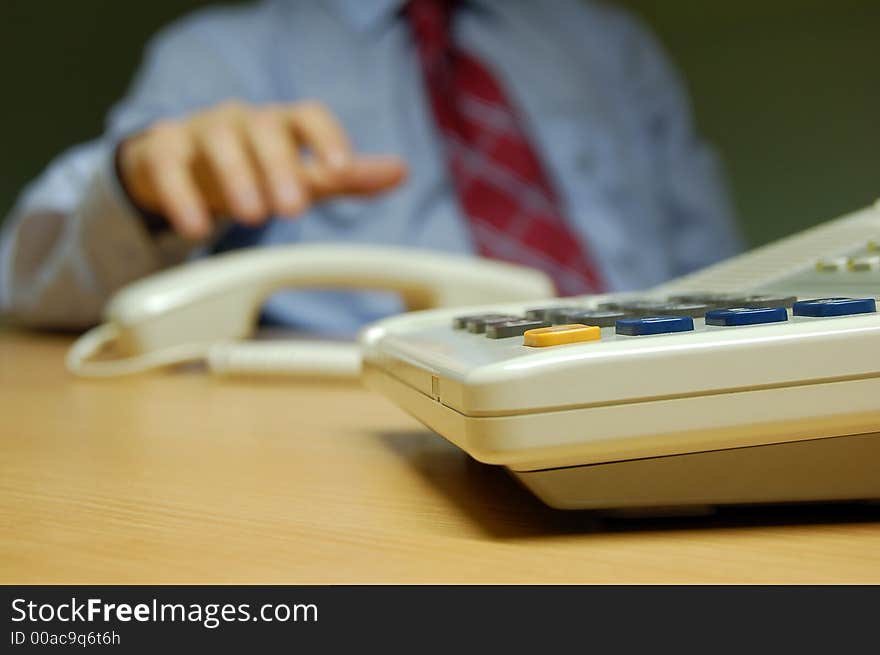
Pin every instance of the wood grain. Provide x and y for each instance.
(179, 477)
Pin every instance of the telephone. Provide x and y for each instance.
(754, 380)
(204, 310)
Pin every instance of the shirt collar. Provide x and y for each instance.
(365, 15)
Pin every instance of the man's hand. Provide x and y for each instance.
(249, 163)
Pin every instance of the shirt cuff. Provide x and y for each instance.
(116, 236)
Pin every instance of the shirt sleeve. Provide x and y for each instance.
(73, 237)
(698, 218)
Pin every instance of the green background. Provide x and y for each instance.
(787, 90)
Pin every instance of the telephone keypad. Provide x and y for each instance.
(642, 317)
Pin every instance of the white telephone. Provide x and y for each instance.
(203, 310)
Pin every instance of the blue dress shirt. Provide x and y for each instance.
(599, 100)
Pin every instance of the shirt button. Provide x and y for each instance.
(585, 162)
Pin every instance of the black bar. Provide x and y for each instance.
(362, 619)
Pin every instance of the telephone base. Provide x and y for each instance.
(829, 469)
(753, 381)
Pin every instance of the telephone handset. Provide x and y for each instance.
(202, 310)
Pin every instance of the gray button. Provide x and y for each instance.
(694, 310)
(699, 298)
(731, 300)
(550, 313)
(478, 325)
(594, 317)
(560, 316)
(764, 301)
(713, 300)
(512, 328)
(625, 304)
(460, 322)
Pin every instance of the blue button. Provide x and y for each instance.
(834, 307)
(634, 327)
(746, 316)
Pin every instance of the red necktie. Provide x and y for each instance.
(512, 209)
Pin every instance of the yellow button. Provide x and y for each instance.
(560, 334)
(874, 246)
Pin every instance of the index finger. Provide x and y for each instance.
(317, 128)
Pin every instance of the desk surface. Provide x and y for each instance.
(183, 478)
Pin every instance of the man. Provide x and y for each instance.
(553, 134)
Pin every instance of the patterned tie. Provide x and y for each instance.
(512, 209)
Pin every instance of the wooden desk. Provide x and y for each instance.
(184, 478)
